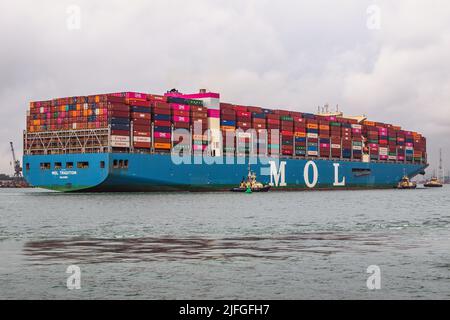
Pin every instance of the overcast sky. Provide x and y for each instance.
(389, 60)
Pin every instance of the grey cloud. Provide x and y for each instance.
(290, 54)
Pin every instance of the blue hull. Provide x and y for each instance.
(123, 172)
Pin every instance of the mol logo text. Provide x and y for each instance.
(310, 175)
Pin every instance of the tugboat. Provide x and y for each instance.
(406, 183)
(250, 184)
(434, 183)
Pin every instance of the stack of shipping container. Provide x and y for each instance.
(143, 122)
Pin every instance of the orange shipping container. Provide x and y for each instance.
(162, 146)
(300, 134)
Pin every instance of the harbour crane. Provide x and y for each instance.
(16, 163)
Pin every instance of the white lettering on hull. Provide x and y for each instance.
(276, 175)
(338, 183)
(311, 184)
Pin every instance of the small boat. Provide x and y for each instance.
(406, 183)
(257, 189)
(434, 183)
(251, 185)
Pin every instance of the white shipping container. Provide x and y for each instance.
(335, 146)
(312, 153)
(357, 148)
(120, 139)
(357, 126)
(392, 158)
(312, 135)
(244, 135)
(119, 144)
(142, 139)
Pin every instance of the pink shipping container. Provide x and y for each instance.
(165, 135)
(198, 147)
(180, 107)
(181, 119)
(383, 157)
(213, 113)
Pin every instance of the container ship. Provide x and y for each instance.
(136, 142)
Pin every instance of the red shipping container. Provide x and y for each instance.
(162, 140)
(138, 115)
(162, 111)
(258, 120)
(142, 128)
(120, 133)
(181, 125)
(259, 125)
(200, 115)
(153, 97)
(162, 123)
(141, 122)
(240, 108)
(142, 145)
(243, 124)
(139, 103)
(141, 133)
(273, 121)
(273, 126)
(118, 108)
(243, 114)
(273, 117)
(161, 105)
(199, 109)
(181, 113)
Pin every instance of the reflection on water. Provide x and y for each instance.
(91, 250)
